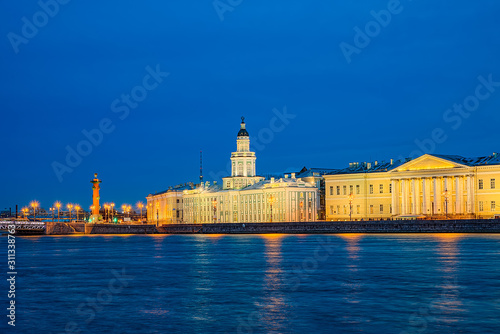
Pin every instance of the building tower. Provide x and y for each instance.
(242, 162)
(95, 199)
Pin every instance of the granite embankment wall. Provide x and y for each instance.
(418, 226)
(120, 229)
(422, 226)
(55, 228)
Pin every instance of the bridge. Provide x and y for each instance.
(22, 227)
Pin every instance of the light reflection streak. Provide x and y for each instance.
(203, 282)
(448, 305)
(352, 283)
(273, 314)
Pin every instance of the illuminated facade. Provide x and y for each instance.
(246, 197)
(436, 186)
(166, 207)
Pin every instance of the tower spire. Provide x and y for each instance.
(201, 167)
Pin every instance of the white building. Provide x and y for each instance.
(246, 197)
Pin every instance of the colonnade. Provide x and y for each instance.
(433, 195)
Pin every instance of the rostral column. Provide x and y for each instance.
(95, 199)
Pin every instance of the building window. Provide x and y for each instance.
(338, 209)
(371, 188)
(481, 185)
(390, 208)
(481, 206)
(351, 189)
(358, 207)
(345, 190)
(390, 188)
(381, 188)
(338, 190)
(381, 208)
(331, 209)
(357, 189)
(371, 209)
(493, 205)
(345, 210)
(331, 190)
(492, 183)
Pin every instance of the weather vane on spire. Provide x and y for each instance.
(242, 119)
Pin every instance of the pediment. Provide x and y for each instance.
(428, 162)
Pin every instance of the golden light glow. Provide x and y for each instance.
(69, 206)
(34, 204)
(271, 199)
(57, 204)
(139, 205)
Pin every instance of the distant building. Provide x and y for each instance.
(246, 197)
(166, 207)
(429, 186)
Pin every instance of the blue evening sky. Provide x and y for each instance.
(347, 96)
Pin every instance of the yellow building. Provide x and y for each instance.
(431, 186)
(166, 207)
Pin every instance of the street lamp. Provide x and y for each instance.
(106, 211)
(69, 206)
(77, 208)
(34, 205)
(25, 211)
(140, 205)
(112, 210)
(57, 204)
(149, 211)
(214, 204)
(52, 211)
(271, 201)
(351, 197)
(157, 214)
(446, 198)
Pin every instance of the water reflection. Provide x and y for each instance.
(273, 314)
(448, 305)
(202, 276)
(353, 282)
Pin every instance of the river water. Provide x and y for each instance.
(351, 283)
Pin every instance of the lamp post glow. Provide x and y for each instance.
(140, 205)
(106, 211)
(271, 201)
(69, 206)
(77, 208)
(25, 211)
(351, 197)
(57, 204)
(446, 198)
(157, 213)
(34, 205)
(214, 205)
(112, 210)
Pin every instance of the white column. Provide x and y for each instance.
(467, 185)
(458, 194)
(418, 208)
(424, 196)
(395, 194)
(403, 196)
(434, 192)
(473, 198)
(438, 195)
(413, 195)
